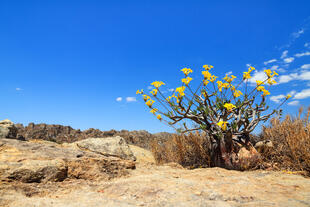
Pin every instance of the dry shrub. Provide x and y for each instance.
(191, 150)
(291, 140)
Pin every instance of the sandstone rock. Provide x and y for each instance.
(42, 161)
(110, 146)
(142, 155)
(7, 129)
(248, 157)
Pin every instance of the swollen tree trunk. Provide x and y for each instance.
(230, 154)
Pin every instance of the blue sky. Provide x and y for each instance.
(68, 62)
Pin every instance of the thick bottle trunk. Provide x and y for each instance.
(230, 154)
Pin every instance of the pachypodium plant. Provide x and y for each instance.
(225, 111)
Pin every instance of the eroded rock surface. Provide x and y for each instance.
(42, 161)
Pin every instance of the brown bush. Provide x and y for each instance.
(189, 150)
(291, 143)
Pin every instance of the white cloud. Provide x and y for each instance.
(171, 89)
(302, 54)
(289, 60)
(228, 73)
(119, 99)
(287, 78)
(150, 87)
(284, 54)
(18, 89)
(277, 98)
(293, 103)
(302, 94)
(292, 93)
(270, 61)
(307, 44)
(258, 75)
(305, 66)
(248, 65)
(298, 33)
(131, 99)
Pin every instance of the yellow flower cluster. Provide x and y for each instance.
(247, 75)
(154, 92)
(187, 71)
(180, 90)
(223, 125)
(228, 79)
(187, 80)
(157, 84)
(229, 106)
(207, 67)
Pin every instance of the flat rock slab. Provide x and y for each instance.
(43, 161)
(170, 185)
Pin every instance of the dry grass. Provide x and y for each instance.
(188, 150)
(291, 140)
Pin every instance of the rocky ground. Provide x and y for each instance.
(108, 172)
(40, 173)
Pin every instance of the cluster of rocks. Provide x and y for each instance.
(66, 134)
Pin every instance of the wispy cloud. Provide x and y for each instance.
(277, 98)
(18, 89)
(289, 60)
(307, 44)
(305, 66)
(131, 99)
(284, 54)
(298, 33)
(228, 73)
(171, 89)
(302, 54)
(119, 99)
(270, 61)
(293, 103)
(302, 94)
(150, 87)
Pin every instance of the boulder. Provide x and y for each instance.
(42, 161)
(7, 129)
(109, 146)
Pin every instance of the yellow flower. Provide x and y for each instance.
(159, 117)
(168, 98)
(149, 103)
(139, 92)
(288, 96)
(157, 84)
(251, 69)
(260, 88)
(146, 97)
(229, 106)
(154, 92)
(268, 73)
(271, 81)
(180, 90)
(187, 71)
(246, 75)
(212, 78)
(154, 110)
(207, 67)
(222, 124)
(275, 73)
(187, 80)
(233, 88)
(226, 85)
(237, 94)
(258, 82)
(205, 82)
(206, 74)
(220, 85)
(228, 79)
(266, 92)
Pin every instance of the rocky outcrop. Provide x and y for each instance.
(7, 129)
(42, 161)
(66, 134)
(110, 146)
